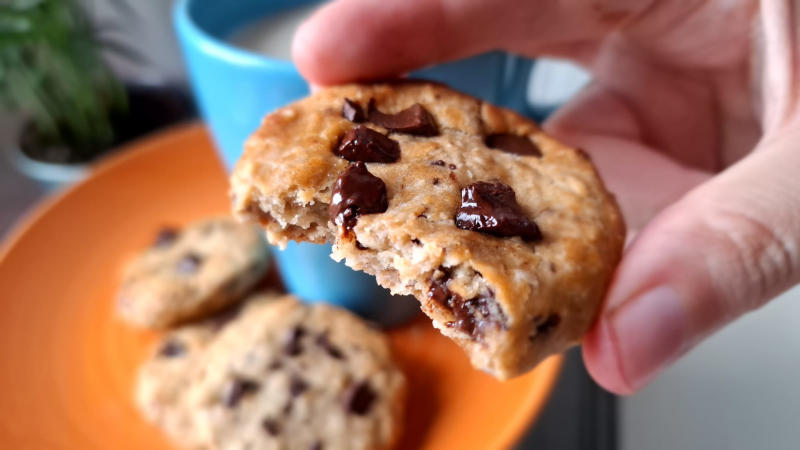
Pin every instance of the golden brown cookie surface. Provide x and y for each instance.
(507, 237)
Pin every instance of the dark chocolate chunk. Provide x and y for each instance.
(511, 143)
(356, 192)
(365, 144)
(544, 324)
(166, 236)
(451, 166)
(358, 398)
(492, 208)
(472, 316)
(416, 241)
(325, 343)
(414, 120)
(297, 386)
(172, 348)
(353, 112)
(435, 181)
(438, 162)
(271, 426)
(189, 263)
(439, 293)
(471, 313)
(293, 346)
(236, 389)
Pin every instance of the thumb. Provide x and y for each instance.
(722, 250)
(350, 40)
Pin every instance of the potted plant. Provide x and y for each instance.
(74, 108)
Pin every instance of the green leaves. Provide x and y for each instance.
(52, 72)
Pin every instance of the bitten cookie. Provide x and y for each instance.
(506, 237)
(278, 375)
(187, 274)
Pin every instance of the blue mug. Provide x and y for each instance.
(235, 88)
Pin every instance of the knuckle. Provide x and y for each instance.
(749, 260)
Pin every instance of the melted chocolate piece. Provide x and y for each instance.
(438, 162)
(271, 426)
(325, 343)
(361, 246)
(293, 345)
(189, 263)
(367, 145)
(435, 181)
(166, 236)
(297, 386)
(356, 192)
(353, 112)
(492, 208)
(236, 389)
(512, 143)
(171, 349)
(416, 241)
(414, 120)
(358, 398)
(451, 166)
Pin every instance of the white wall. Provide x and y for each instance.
(739, 390)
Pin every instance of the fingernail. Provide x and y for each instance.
(650, 331)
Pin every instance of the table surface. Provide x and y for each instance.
(737, 390)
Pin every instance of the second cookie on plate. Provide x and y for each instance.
(279, 374)
(190, 273)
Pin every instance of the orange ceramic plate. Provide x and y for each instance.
(68, 366)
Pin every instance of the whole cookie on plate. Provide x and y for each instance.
(507, 237)
(187, 274)
(280, 374)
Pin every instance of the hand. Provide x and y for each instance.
(693, 119)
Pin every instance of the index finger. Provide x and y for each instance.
(351, 40)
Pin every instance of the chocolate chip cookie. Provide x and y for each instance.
(189, 273)
(507, 237)
(279, 374)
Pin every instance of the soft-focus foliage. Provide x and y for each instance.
(52, 72)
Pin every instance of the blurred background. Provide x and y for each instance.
(78, 79)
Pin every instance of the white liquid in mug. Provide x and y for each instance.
(272, 35)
